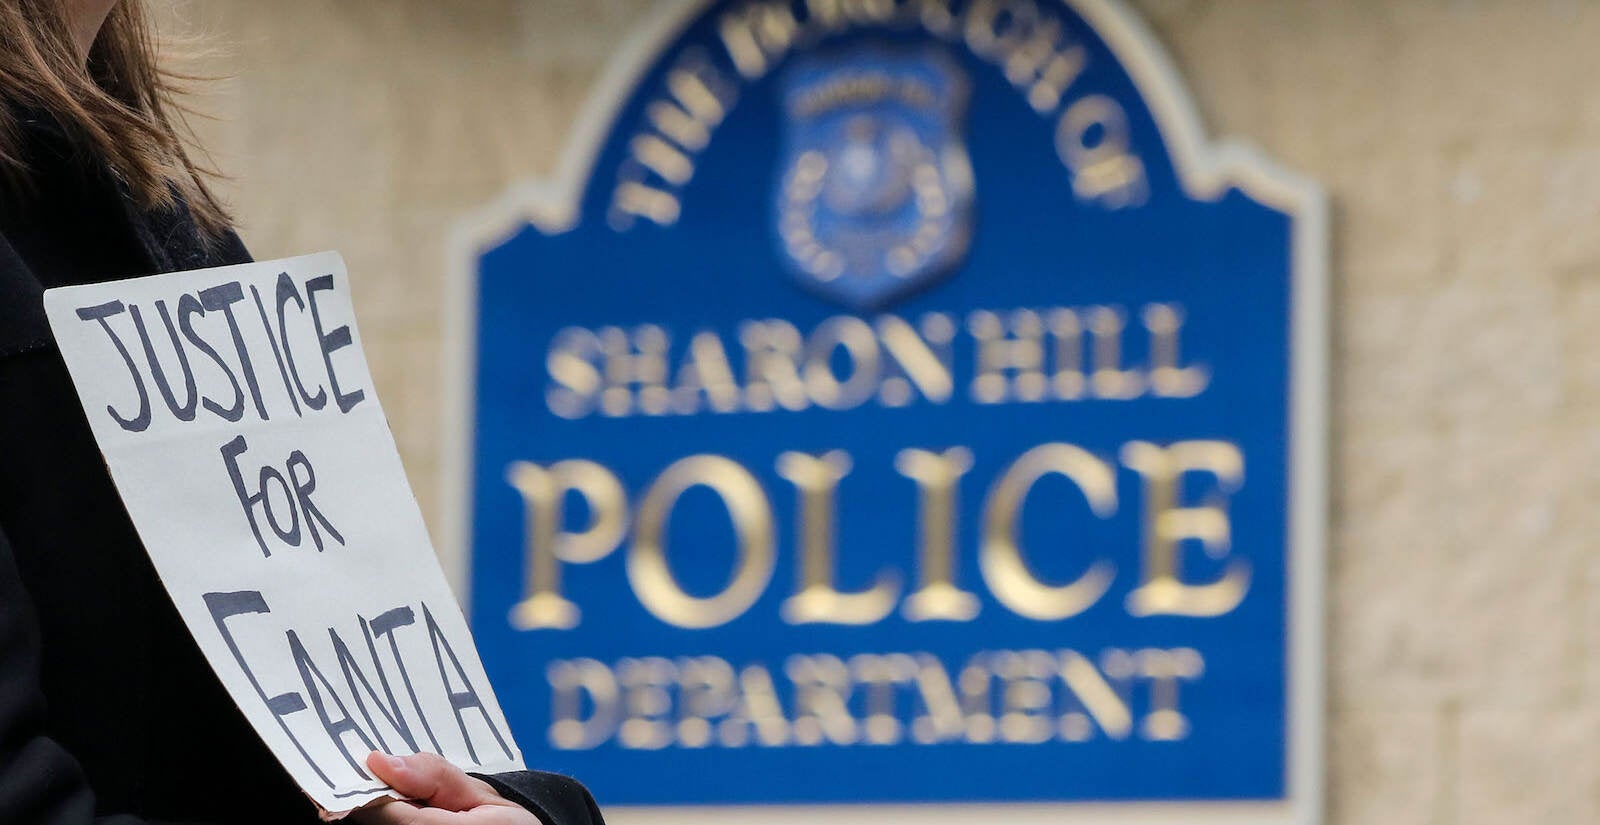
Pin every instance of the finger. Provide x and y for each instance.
(428, 778)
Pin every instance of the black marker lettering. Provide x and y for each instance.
(465, 698)
(287, 292)
(336, 728)
(385, 625)
(268, 478)
(303, 487)
(141, 420)
(230, 456)
(352, 675)
(224, 606)
(277, 352)
(188, 307)
(331, 342)
(383, 681)
(223, 297)
(186, 410)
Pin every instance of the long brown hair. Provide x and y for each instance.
(121, 106)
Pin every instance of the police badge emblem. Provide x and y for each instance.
(874, 198)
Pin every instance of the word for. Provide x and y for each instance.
(295, 490)
(1058, 354)
(1170, 522)
(1010, 696)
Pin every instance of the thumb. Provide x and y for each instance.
(428, 778)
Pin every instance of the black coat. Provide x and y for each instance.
(109, 713)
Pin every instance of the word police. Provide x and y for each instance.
(1168, 524)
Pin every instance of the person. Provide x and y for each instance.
(109, 714)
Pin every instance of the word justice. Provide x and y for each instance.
(1171, 524)
(1022, 355)
(212, 343)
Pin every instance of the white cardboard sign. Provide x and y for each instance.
(240, 424)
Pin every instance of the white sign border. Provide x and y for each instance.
(1206, 170)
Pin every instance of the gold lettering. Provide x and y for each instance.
(1044, 69)
(635, 199)
(751, 515)
(822, 700)
(997, 354)
(708, 690)
(986, 35)
(678, 125)
(1100, 701)
(1031, 47)
(1092, 140)
(758, 708)
(942, 719)
(818, 600)
(569, 681)
(881, 676)
(937, 476)
(547, 545)
(854, 337)
(705, 370)
(825, 14)
(662, 158)
(637, 360)
(652, 703)
(571, 364)
(1167, 524)
(757, 35)
(681, 123)
(772, 365)
(1000, 558)
(1109, 379)
(916, 358)
(935, 16)
(870, 11)
(647, 702)
(1164, 669)
(1025, 697)
(1068, 380)
(690, 84)
(977, 701)
(1167, 379)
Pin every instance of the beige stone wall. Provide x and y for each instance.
(1460, 142)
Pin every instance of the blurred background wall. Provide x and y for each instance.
(1460, 144)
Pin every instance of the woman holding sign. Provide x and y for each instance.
(109, 713)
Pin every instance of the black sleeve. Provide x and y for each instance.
(40, 782)
(555, 799)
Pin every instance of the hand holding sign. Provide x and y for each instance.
(450, 797)
(237, 417)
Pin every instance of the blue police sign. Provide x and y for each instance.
(894, 402)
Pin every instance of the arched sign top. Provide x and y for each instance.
(1204, 168)
(892, 402)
